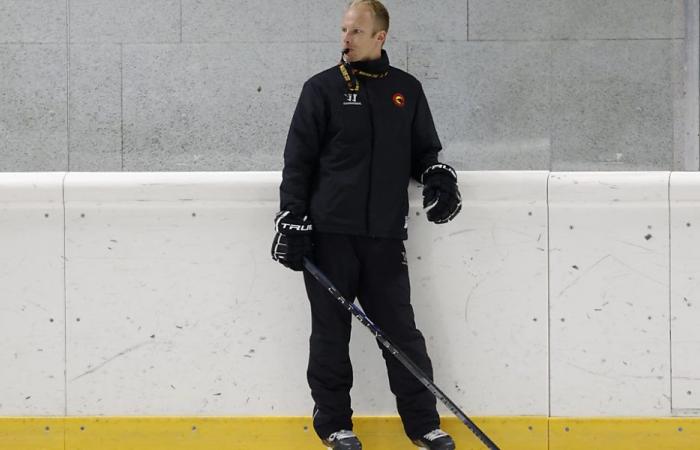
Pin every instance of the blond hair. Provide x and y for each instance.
(379, 12)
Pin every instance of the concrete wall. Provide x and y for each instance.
(560, 294)
(207, 85)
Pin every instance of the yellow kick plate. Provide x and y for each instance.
(381, 433)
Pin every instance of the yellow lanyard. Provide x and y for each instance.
(351, 80)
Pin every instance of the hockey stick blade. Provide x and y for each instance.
(405, 360)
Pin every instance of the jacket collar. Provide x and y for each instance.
(372, 67)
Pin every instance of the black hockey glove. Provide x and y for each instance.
(441, 198)
(292, 240)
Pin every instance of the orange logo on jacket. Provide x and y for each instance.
(399, 100)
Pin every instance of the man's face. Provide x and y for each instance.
(357, 31)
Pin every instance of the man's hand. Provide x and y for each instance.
(441, 199)
(292, 240)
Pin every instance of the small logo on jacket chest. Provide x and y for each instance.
(399, 100)
(351, 99)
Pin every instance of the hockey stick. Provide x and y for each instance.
(410, 365)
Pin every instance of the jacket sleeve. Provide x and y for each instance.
(301, 152)
(425, 143)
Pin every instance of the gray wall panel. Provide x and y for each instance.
(490, 101)
(244, 21)
(209, 106)
(576, 19)
(95, 107)
(566, 84)
(612, 105)
(32, 21)
(124, 21)
(33, 107)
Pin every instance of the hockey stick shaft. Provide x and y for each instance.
(405, 360)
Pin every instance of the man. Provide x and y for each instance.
(360, 130)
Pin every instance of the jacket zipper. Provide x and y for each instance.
(371, 159)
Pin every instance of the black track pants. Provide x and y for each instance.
(375, 272)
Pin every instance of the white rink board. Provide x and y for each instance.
(480, 291)
(170, 313)
(180, 313)
(609, 298)
(231, 326)
(31, 294)
(685, 292)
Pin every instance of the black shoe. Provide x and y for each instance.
(343, 440)
(435, 440)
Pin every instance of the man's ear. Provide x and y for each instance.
(381, 36)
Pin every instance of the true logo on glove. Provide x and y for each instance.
(292, 227)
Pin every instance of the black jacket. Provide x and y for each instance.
(349, 155)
